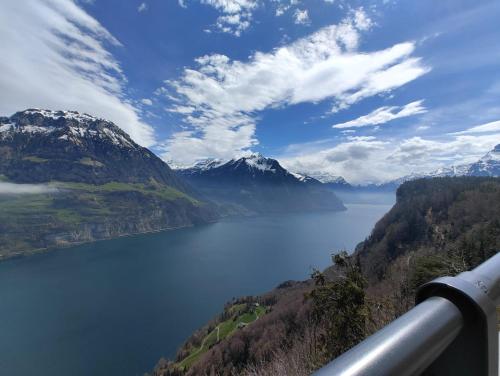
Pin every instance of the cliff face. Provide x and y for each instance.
(36, 222)
(67, 178)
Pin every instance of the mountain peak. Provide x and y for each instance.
(70, 127)
(259, 162)
(493, 155)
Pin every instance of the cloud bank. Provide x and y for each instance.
(370, 160)
(221, 98)
(57, 56)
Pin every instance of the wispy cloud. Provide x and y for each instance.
(236, 14)
(142, 8)
(493, 126)
(385, 114)
(221, 98)
(59, 58)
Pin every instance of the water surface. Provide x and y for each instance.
(115, 307)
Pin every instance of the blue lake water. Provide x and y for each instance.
(115, 307)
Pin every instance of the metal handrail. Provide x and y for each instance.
(451, 331)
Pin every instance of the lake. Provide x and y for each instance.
(115, 307)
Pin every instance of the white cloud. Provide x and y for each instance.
(371, 160)
(147, 102)
(142, 8)
(236, 14)
(56, 56)
(301, 17)
(224, 96)
(385, 114)
(25, 189)
(493, 126)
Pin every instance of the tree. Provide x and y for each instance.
(338, 307)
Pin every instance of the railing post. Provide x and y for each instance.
(451, 331)
(476, 347)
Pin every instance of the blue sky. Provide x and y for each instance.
(370, 90)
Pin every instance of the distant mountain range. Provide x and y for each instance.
(488, 165)
(255, 184)
(100, 183)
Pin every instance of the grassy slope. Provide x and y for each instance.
(222, 331)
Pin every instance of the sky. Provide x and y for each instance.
(370, 90)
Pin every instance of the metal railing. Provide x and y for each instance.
(451, 331)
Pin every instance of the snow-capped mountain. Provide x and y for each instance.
(43, 145)
(488, 165)
(67, 126)
(252, 167)
(259, 184)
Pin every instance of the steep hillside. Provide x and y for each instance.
(256, 184)
(439, 226)
(88, 180)
(437, 215)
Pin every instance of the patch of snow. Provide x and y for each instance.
(208, 163)
(36, 129)
(117, 139)
(298, 176)
(6, 127)
(259, 162)
(74, 115)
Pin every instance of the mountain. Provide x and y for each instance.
(41, 146)
(437, 227)
(334, 182)
(488, 165)
(255, 184)
(94, 182)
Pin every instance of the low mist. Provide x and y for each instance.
(25, 189)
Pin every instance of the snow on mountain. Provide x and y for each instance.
(68, 126)
(43, 145)
(488, 165)
(326, 177)
(259, 162)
